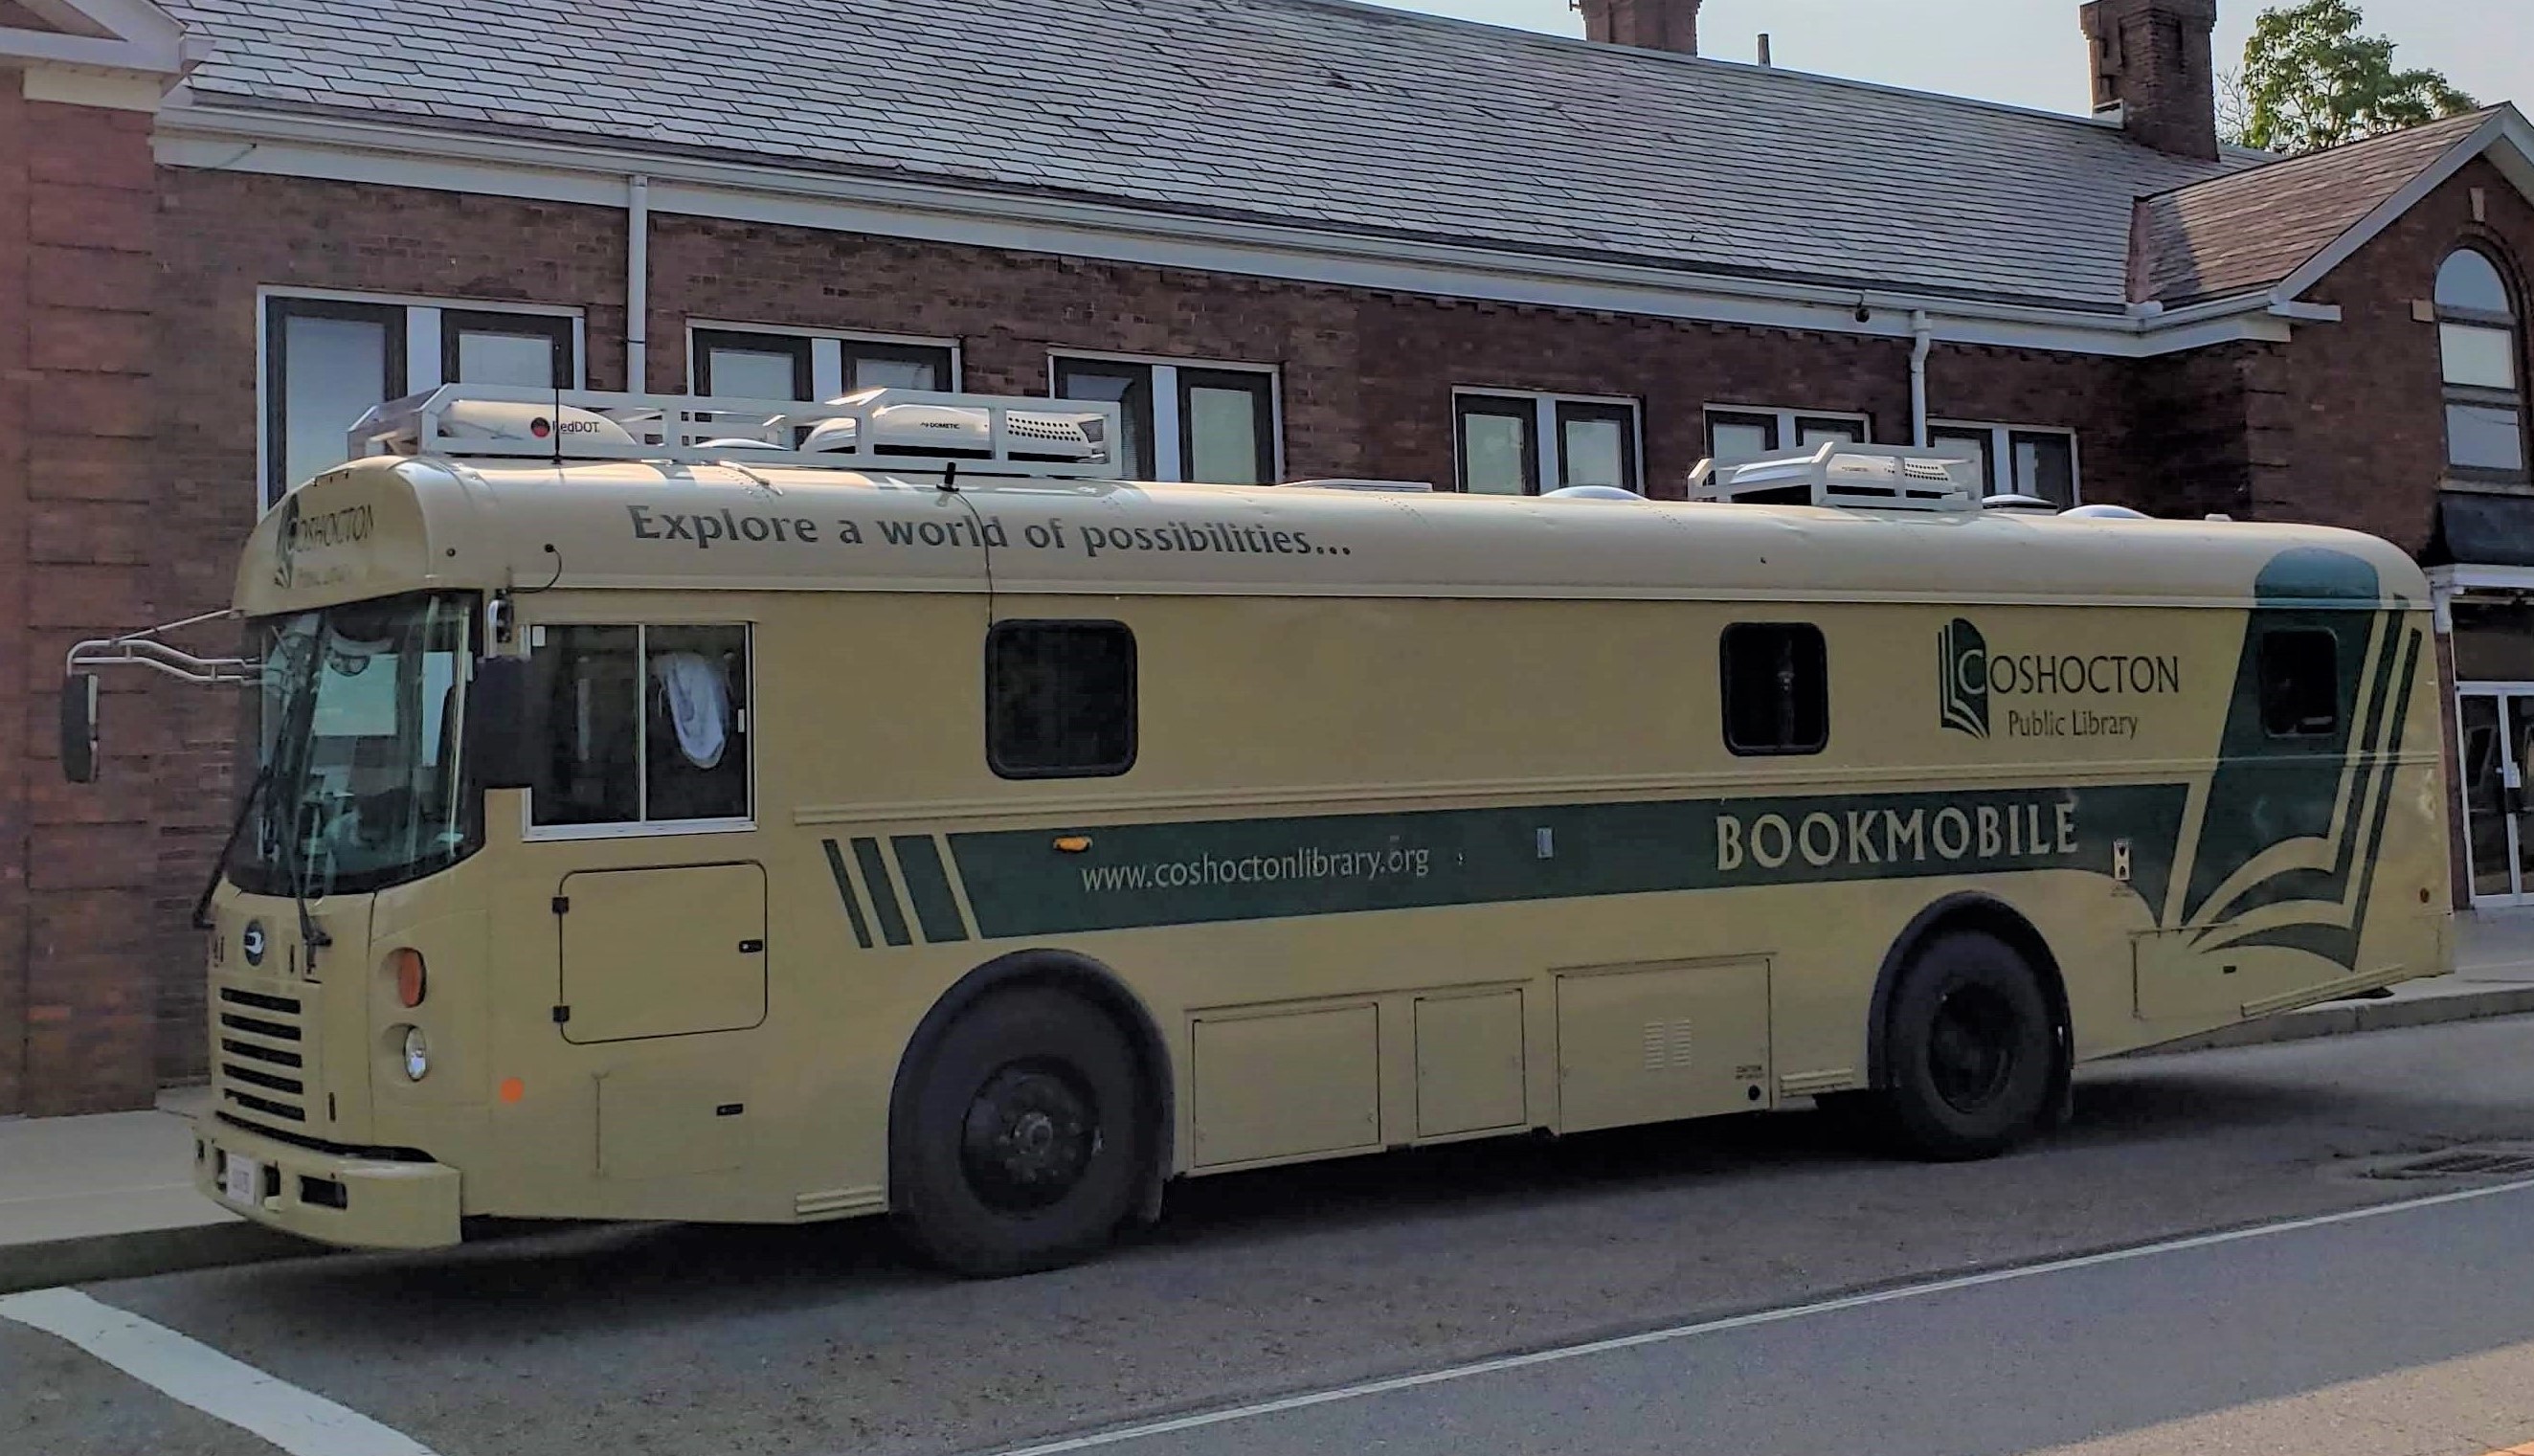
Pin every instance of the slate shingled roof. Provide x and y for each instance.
(1322, 113)
(2254, 229)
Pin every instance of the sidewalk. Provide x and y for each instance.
(111, 1197)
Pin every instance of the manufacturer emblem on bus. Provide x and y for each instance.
(1961, 687)
(252, 943)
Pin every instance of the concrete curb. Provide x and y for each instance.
(143, 1252)
(2340, 1018)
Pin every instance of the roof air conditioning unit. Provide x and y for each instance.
(529, 424)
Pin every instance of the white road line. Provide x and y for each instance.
(298, 1422)
(1449, 1373)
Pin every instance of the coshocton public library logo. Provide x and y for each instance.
(1970, 676)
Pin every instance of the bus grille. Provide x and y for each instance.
(262, 1056)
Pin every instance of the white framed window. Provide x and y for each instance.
(641, 729)
(1738, 433)
(1516, 443)
(1185, 419)
(327, 357)
(767, 361)
(2478, 343)
(2038, 460)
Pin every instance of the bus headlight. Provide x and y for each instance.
(417, 1053)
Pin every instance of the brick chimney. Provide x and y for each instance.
(1655, 24)
(2152, 64)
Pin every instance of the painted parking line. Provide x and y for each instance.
(297, 1421)
(1366, 1389)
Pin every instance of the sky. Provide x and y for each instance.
(2029, 52)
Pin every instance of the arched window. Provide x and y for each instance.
(2483, 347)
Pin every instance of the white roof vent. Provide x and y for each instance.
(957, 431)
(2106, 512)
(1859, 477)
(2019, 502)
(1593, 493)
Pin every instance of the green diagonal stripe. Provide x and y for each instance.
(935, 908)
(892, 920)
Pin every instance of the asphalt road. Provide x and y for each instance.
(2402, 1333)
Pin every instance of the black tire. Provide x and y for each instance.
(1969, 1050)
(1027, 1132)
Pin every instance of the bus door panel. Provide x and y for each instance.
(659, 953)
(1650, 1044)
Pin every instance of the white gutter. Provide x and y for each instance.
(1923, 332)
(396, 155)
(638, 284)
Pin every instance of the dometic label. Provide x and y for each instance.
(1971, 680)
(1264, 869)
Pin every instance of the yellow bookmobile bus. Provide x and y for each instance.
(766, 813)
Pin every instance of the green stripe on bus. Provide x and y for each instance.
(845, 892)
(1261, 869)
(928, 885)
(892, 920)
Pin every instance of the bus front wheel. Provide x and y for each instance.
(1968, 1051)
(1026, 1138)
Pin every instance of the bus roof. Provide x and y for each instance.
(389, 524)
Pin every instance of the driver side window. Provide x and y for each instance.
(641, 726)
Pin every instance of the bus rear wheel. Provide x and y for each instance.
(1969, 1049)
(1025, 1138)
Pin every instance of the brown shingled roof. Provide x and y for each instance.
(2251, 229)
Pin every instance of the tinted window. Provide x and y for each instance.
(2300, 684)
(641, 725)
(1060, 699)
(1776, 688)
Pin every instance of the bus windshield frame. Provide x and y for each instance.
(361, 783)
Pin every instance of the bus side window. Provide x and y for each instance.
(641, 725)
(2300, 684)
(697, 735)
(1060, 699)
(586, 682)
(1776, 688)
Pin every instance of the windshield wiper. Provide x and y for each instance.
(228, 846)
(297, 727)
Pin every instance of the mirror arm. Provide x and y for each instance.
(146, 648)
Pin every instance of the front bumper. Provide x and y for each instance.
(357, 1202)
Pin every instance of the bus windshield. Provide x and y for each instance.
(359, 780)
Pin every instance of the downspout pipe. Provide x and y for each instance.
(1922, 333)
(638, 284)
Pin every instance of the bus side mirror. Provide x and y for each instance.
(498, 726)
(79, 727)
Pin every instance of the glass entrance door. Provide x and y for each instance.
(2497, 728)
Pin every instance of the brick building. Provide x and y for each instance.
(1292, 237)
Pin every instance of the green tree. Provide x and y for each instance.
(2311, 81)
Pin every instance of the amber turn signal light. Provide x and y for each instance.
(409, 976)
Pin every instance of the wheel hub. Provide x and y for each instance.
(1971, 1048)
(1030, 1134)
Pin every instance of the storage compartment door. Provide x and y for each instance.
(662, 952)
(1287, 1084)
(1652, 1044)
(1468, 1064)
